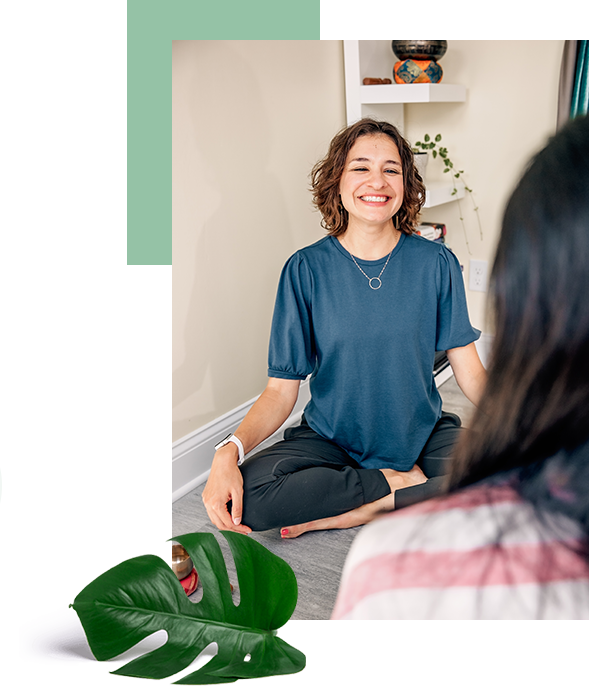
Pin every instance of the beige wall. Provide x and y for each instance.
(250, 118)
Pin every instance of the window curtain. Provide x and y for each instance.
(580, 97)
(573, 91)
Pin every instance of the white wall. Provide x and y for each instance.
(250, 119)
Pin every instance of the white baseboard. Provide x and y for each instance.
(192, 455)
(443, 376)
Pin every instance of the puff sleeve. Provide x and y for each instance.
(454, 329)
(291, 353)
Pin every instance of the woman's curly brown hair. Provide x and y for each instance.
(327, 173)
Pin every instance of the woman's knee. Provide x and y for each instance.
(255, 512)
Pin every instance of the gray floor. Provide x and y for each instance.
(316, 557)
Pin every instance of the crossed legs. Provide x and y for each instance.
(365, 513)
(305, 482)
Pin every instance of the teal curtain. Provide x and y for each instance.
(580, 98)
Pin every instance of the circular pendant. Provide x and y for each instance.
(375, 278)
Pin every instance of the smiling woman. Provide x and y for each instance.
(349, 154)
(371, 187)
(373, 437)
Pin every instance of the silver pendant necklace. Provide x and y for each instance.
(375, 279)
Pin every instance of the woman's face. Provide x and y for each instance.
(371, 186)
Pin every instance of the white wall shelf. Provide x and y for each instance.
(412, 93)
(376, 58)
(440, 192)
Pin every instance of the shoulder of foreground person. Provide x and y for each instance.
(478, 553)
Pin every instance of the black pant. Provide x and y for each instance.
(306, 477)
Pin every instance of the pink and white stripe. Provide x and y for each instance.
(439, 559)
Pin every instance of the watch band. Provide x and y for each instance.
(231, 438)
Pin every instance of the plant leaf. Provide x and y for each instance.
(141, 596)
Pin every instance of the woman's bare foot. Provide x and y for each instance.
(399, 480)
(364, 513)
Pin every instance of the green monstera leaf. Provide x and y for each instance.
(142, 595)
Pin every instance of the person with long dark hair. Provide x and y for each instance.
(362, 312)
(510, 539)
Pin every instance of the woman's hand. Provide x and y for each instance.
(225, 484)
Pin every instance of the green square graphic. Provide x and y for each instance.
(152, 25)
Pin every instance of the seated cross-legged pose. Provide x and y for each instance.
(510, 538)
(363, 311)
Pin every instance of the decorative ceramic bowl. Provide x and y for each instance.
(417, 71)
(420, 49)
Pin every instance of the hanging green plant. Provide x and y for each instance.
(429, 145)
(141, 596)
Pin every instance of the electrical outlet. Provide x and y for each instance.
(477, 277)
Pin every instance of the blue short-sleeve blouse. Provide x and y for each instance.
(370, 353)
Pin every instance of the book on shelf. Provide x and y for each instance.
(433, 231)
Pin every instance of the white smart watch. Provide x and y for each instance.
(231, 438)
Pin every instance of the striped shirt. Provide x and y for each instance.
(480, 553)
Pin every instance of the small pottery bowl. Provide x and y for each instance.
(419, 49)
(181, 562)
